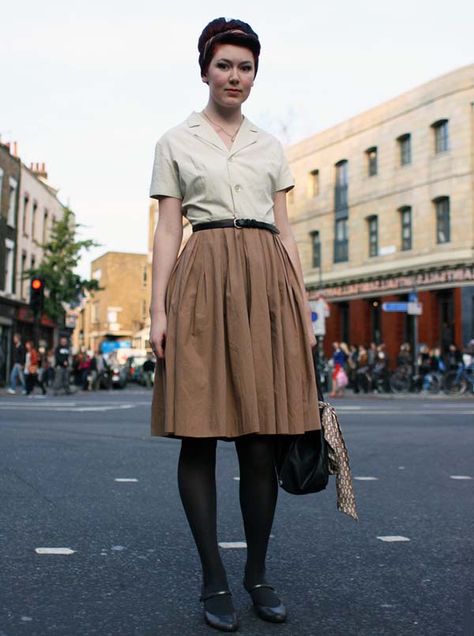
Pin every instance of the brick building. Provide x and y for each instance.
(384, 207)
(121, 308)
(9, 194)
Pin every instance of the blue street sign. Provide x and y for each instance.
(413, 297)
(395, 306)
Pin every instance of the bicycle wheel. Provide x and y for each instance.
(436, 383)
(454, 384)
(400, 382)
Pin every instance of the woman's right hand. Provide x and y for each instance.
(157, 336)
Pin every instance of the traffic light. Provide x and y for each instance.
(36, 294)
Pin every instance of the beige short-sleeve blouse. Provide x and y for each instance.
(193, 164)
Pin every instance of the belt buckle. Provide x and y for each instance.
(235, 223)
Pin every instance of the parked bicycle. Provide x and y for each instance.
(459, 381)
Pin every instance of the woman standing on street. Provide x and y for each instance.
(230, 326)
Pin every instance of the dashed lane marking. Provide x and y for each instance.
(366, 478)
(392, 538)
(125, 479)
(460, 477)
(236, 478)
(232, 544)
(66, 551)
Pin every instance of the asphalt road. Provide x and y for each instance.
(134, 571)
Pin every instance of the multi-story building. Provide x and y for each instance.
(28, 205)
(9, 193)
(120, 308)
(38, 208)
(383, 208)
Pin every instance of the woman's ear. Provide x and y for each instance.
(204, 79)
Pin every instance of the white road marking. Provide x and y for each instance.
(236, 478)
(392, 538)
(125, 479)
(118, 548)
(366, 478)
(232, 544)
(54, 551)
(460, 477)
(401, 468)
(78, 409)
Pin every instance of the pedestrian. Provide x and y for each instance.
(339, 376)
(62, 356)
(18, 359)
(32, 364)
(229, 316)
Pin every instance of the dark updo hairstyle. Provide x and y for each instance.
(224, 31)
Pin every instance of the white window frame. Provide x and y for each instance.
(13, 185)
(9, 265)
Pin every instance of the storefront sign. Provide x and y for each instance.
(421, 280)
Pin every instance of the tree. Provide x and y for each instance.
(61, 255)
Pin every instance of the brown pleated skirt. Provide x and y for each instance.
(237, 357)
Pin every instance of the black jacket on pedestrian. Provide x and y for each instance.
(19, 354)
(61, 355)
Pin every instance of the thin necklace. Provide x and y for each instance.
(233, 136)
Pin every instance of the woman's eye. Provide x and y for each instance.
(247, 69)
(221, 65)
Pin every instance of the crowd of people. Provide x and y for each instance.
(367, 369)
(54, 368)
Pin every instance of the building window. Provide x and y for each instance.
(12, 203)
(405, 219)
(24, 216)
(313, 183)
(34, 210)
(95, 311)
(145, 276)
(9, 253)
(341, 242)
(371, 154)
(404, 144)
(441, 135)
(443, 232)
(45, 225)
(373, 224)
(22, 280)
(316, 248)
(143, 309)
(342, 183)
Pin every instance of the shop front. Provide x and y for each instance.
(357, 314)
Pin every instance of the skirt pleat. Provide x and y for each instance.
(237, 357)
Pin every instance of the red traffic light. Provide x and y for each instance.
(37, 284)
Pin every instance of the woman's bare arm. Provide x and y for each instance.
(166, 243)
(288, 240)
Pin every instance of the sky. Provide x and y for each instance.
(88, 86)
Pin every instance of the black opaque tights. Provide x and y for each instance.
(258, 496)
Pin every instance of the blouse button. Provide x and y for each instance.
(238, 187)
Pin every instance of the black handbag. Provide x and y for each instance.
(301, 461)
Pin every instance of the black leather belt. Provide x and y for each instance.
(238, 223)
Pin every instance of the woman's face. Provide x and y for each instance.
(230, 75)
